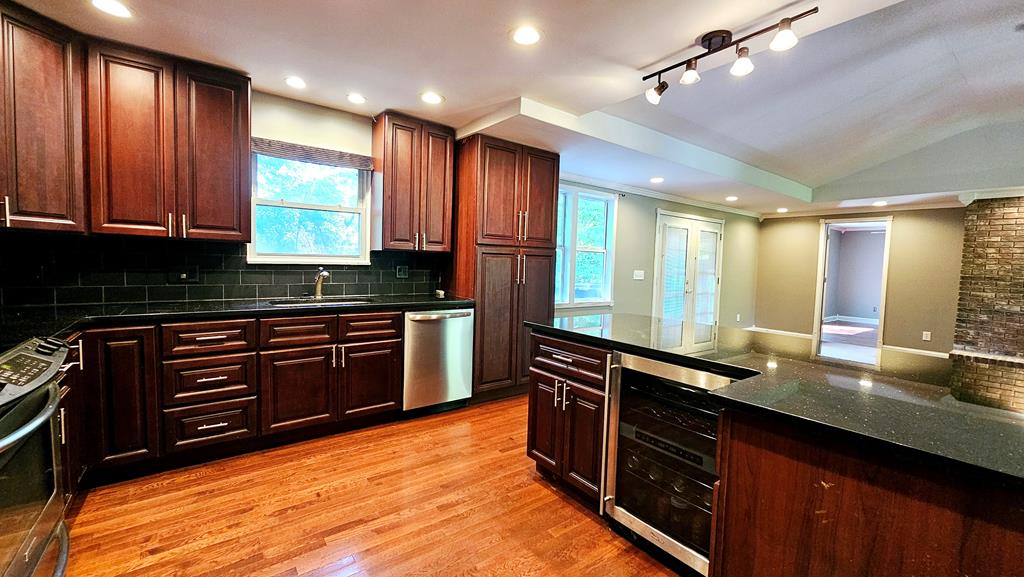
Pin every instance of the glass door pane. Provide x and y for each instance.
(706, 298)
(675, 241)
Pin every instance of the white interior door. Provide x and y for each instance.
(687, 284)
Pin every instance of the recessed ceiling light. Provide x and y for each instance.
(113, 7)
(731, 198)
(356, 98)
(431, 98)
(657, 179)
(879, 203)
(526, 35)
(295, 82)
(782, 210)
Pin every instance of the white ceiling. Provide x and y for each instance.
(870, 81)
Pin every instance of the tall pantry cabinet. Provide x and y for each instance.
(507, 197)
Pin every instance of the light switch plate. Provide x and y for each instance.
(638, 275)
(926, 336)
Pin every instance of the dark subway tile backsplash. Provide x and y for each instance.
(58, 268)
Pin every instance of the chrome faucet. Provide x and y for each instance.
(318, 286)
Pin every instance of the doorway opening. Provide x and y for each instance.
(687, 282)
(851, 289)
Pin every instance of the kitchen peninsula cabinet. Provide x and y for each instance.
(168, 146)
(413, 176)
(41, 142)
(505, 256)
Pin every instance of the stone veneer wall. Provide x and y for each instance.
(988, 355)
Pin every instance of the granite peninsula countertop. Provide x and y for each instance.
(923, 418)
(22, 322)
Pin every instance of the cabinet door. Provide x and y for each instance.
(496, 331)
(544, 426)
(122, 396)
(584, 437)
(70, 434)
(214, 164)
(498, 217)
(131, 142)
(539, 197)
(371, 378)
(536, 294)
(41, 163)
(298, 388)
(436, 211)
(402, 139)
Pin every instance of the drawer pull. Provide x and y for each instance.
(212, 338)
(562, 358)
(212, 379)
(212, 426)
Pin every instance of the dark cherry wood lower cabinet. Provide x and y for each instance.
(298, 388)
(209, 423)
(796, 502)
(70, 435)
(371, 378)
(121, 400)
(566, 430)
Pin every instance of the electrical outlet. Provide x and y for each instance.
(184, 275)
(737, 317)
(926, 336)
(874, 309)
(402, 271)
(638, 275)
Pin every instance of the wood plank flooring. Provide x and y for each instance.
(450, 494)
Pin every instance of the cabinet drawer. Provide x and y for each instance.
(572, 360)
(209, 378)
(370, 326)
(199, 425)
(298, 331)
(211, 337)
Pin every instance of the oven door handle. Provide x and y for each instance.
(22, 432)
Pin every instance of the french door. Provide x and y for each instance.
(686, 283)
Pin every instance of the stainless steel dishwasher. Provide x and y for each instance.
(438, 357)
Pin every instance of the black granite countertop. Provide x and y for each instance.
(923, 418)
(20, 323)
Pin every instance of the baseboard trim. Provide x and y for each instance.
(910, 351)
(844, 318)
(780, 333)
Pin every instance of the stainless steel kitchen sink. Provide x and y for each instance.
(321, 302)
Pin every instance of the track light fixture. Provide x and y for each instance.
(690, 75)
(719, 40)
(654, 93)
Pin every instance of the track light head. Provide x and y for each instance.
(654, 93)
(743, 65)
(690, 75)
(784, 38)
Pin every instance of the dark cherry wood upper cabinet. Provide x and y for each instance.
(41, 142)
(413, 165)
(436, 202)
(544, 430)
(536, 301)
(539, 198)
(298, 388)
(499, 210)
(371, 378)
(131, 141)
(214, 157)
(122, 403)
(584, 437)
(496, 314)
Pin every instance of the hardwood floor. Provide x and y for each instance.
(450, 494)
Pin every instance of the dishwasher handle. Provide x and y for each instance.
(439, 317)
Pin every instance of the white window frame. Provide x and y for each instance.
(363, 210)
(573, 192)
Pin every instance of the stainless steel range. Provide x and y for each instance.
(660, 466)
(31, 492)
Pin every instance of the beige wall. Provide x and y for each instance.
(279, 118)
(923, 282)
(635, 230)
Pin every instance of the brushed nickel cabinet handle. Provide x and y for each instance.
(212, 426)
(212, 338)
(565, 394)
(7, 211)
(562, 358)
(334, 356)
(81, 356)
(170, 224)
(526, 223)
(524, 266)
(184, 226)
(63, 434)
(556, 393)
(212, 379)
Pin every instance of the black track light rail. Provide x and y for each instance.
(732, 44)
